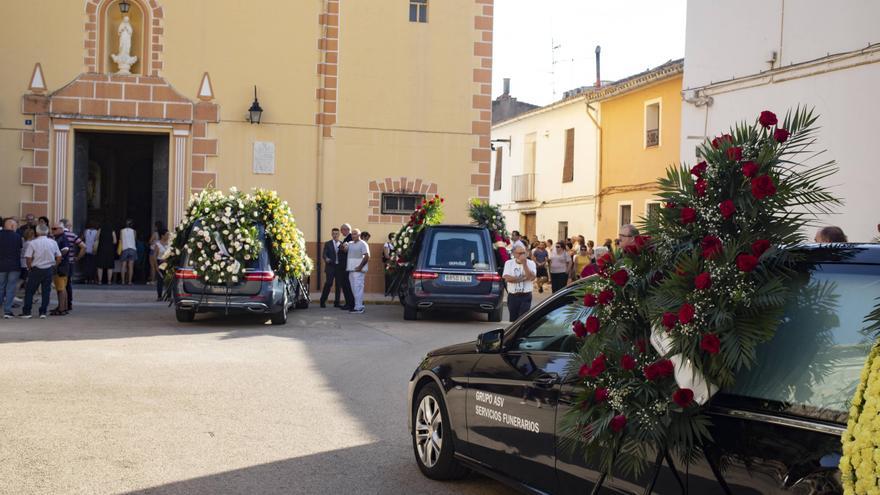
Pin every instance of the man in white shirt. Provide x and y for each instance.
(358, 257)
(516, 240)
(42, 255)
(519, 273)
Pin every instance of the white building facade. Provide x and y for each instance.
(753, 55)
(544, 170)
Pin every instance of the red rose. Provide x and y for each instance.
(750, 169)
(685, 314)
(496, 237)
(688, 215)
(781, 135)
(600, 395)
(727, 208)
(746, 262)
(735, 153)
(659, 369)
(620, 277)
(627, 362)
(578, 328)
(589, 300)
(606, 296)
(584, 371)
(683, 397)
(759, 246)
(763, 186)
(710, 343)
(711, 246)
(703, 281)
(592, 324)
(670, 204)
(641, 345)
(720, 140)
(597, 366)
(618, 423)
(700, 188)
(669, 320)
(606, 260)
(632, 250)
(699, 169)
(767, 119)
(642, 240)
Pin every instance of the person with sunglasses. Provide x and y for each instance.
(626, 235)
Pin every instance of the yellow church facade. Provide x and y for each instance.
(366, 107)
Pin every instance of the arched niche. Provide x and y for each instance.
(109, 19)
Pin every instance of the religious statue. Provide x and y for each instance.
(123, 59)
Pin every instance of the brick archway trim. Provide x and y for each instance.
(96, 11)
(401, 185)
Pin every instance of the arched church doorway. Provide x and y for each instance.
(120, 176)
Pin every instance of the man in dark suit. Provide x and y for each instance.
(341, 268)
(332, 262)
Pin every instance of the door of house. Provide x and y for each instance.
(528, 223)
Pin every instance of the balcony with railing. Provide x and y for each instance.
(524, 187)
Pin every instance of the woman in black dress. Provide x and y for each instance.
(106, 252)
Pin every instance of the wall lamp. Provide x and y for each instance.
(124, 6)
(255, 112)
(492, 143)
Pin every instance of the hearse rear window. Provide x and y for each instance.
(814, 361)
(458, 249)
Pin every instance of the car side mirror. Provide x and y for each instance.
(490, 342)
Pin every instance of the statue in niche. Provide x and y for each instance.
(123, 59)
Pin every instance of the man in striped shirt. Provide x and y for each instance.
(76, 252)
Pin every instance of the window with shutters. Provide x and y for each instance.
(418, 10)
(498, 155)
(624, 214)
(568, 166)
(652, 123)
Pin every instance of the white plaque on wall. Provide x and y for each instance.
(264, 157)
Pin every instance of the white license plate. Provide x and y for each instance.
(457, 278)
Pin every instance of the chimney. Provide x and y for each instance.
(506, 86)
(598, 77)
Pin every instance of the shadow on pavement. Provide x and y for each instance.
(297, 476)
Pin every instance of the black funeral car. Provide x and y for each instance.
(261, 291)
(494, 405)
(456, 270)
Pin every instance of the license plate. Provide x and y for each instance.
(457, 278)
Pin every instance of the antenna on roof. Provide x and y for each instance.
(554, 47)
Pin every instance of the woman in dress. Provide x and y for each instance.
(106, 252)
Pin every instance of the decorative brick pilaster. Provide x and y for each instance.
(399, 185)
(36, 173)
(482, 98)
(328, 68)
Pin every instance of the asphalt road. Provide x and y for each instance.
(120, 398)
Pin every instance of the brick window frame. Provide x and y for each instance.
(395, 185)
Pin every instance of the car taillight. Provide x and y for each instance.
(425, 275)
(489, 277)
(259, 276)
(185, 274)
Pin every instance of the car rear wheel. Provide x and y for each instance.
(432, 439)
(495, 314)
(280, 317)
(185, 315)
(410, 312)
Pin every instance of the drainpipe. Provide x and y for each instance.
(319, 153)
(599, 147)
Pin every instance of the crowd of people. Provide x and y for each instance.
(37, 255)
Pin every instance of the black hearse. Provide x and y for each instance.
(495, 405)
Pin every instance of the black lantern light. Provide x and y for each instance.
(124, 6)
(255, 112)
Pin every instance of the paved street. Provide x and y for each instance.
(120, 398)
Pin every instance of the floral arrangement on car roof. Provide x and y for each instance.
(430, 212)
(674, 316)
(860, 463)
(490, 217)
(219, 234)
